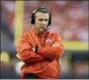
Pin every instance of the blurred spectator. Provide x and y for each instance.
(5, 30)
(80, 69)
(7, 13)
(7, 71)
(7, 27)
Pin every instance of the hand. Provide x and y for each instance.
(36, 48)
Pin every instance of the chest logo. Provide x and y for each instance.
(49, 40)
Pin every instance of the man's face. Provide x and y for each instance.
(41, 20)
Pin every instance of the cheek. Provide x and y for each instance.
(36, 23)
(47, 22)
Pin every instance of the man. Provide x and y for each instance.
(39, 48)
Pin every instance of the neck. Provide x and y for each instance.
(39, 32)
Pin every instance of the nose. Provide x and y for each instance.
(44, 22)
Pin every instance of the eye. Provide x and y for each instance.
(46, 19)
(40, 19)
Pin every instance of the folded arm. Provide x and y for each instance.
(52, 50)
(26, 53)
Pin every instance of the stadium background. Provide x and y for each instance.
(69, 18)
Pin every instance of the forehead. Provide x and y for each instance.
(42, 15)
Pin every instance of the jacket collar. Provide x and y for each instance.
(33, 30)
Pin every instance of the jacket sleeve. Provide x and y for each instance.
(26, 53)
(52, 50)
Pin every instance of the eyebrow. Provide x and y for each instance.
(42, 19)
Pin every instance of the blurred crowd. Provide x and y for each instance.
(69, 19)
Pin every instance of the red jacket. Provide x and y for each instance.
(45, 62)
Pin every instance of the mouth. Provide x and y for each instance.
(41, 29)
